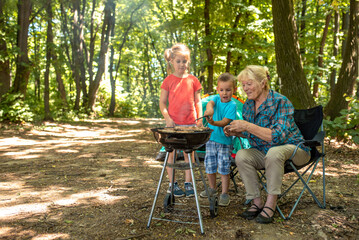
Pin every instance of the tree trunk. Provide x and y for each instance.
(302, 26)
(335, 50)
(349, 69)
(4, 64)
(49, 42)
(105, 36)
(231, 38)
(76, 50)
(22, 60)
(112, 80)
(320, 56)
(289, 64)
(208, 46)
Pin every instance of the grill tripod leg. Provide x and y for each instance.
(195, 193)
(158, 190)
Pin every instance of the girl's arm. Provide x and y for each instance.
(163, 108)
(198, 106)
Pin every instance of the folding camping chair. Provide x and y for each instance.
(309, 121)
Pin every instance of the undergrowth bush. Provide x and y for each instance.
(14, 108)
(346, 126)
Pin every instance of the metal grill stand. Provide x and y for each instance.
(169, 201)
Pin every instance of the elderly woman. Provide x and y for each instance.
(272, 133)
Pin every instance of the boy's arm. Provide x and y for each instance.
(224, 122)
(209, 112)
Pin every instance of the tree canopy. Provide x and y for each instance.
(66, 59)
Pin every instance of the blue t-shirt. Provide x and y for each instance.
(222, 110)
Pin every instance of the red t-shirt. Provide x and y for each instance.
(181, 105)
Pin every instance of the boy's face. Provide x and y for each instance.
(225, 90)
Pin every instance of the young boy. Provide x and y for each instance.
(221, 110)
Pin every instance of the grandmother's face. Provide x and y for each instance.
(252, 88)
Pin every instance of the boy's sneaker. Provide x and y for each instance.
(177, 191)
(188, 187)
(224, 200)
(211, 191)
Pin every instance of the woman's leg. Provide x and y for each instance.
(248, 161)
(274, 165)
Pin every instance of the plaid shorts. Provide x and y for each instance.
(218, 157)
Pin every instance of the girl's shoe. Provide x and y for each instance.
(177, 191)
(188, 187)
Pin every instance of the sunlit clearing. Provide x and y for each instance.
(24, 210)
(129, 122)
(14, 141)
(52, 236)
(5, 230)
(135, 131)
(153, 163)
(120, 160)
(67, 151)
(11, 185)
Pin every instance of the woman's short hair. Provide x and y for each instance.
(255, 72)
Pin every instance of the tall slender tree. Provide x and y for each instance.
(4, 56)
(349, 69)
(289, 63)
(22, 61)
(105, 39)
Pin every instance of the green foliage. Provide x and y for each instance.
(345, 127)
(14, 109)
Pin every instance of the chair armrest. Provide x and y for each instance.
(316, 141)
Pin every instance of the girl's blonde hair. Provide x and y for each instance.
(254, 72)
(171, 53)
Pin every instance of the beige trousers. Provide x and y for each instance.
(248, 161)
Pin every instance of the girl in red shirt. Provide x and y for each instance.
(180, 103)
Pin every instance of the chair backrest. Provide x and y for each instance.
(309, 121)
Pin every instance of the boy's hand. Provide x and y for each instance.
(210, 120)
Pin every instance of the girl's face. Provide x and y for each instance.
(180, 64)
(253, 89)
(225, 91)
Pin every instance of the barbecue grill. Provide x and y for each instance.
(187, 139)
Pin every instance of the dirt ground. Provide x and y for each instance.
(97, 180)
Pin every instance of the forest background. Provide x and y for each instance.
(68, 60)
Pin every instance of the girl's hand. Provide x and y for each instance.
(199, 123)
(170, 123)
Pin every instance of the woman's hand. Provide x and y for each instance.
(238, 126)
(228, 132)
